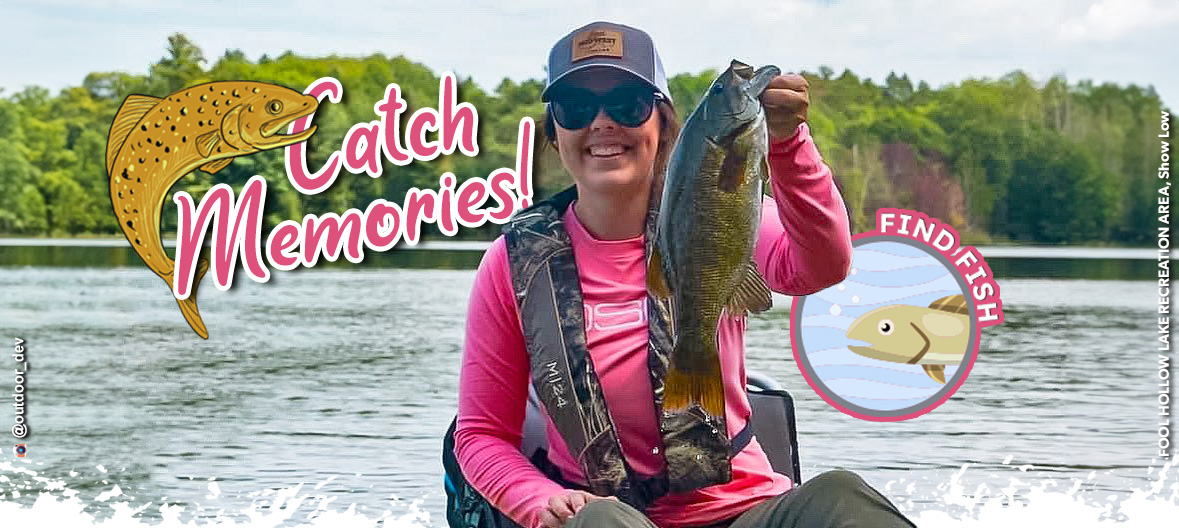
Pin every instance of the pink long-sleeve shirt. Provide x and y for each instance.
(804, 245)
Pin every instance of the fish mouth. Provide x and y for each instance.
(270, 129)
(742, 70)
(862, 350)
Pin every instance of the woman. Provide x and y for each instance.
(561, 302)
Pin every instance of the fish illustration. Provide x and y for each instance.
(708, 223)
(154, 142)
(931, 337)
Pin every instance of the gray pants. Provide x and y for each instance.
(835, 499)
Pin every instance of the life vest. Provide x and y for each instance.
(696, 447)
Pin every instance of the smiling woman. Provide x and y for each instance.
(600, 123)
(614, 458)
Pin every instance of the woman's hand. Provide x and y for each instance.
(564, 506)
(785, 101)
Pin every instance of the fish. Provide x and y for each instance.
(932, 337)
(708, 219)
(154, 142)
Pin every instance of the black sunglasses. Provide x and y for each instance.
(629, 106)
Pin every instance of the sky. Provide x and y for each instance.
(55, 43)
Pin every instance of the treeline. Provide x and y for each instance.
(1010, 159)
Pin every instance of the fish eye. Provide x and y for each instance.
(274, 107)
(885, 326)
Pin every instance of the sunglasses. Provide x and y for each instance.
(630, 106)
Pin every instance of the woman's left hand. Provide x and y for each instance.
(785, 101)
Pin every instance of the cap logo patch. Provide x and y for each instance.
(597, 43)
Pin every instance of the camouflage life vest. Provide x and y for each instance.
(696, 449)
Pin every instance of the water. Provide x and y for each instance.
(345, 379)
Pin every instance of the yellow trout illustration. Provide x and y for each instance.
(154, 142)
(931, 337)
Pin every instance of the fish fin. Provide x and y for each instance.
(937, 372)
(133, 109)
(951, 304)
(213, 166)
(943, 324)
(706, 388)
(206, 142)
(751, 295)
(732, 172)
(656, 281)
(188, 307)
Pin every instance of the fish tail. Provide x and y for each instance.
(188, 306)
(704, 387)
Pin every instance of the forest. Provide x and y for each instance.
(1012, 160)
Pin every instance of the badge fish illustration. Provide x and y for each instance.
(154, 142)
(932, 337)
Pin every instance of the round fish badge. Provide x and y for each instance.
(900, 334)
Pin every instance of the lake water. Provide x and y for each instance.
(345, 379)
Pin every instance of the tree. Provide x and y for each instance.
(179, 68)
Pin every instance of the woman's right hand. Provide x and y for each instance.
(564, 506)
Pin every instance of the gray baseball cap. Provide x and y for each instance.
(605, 44)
